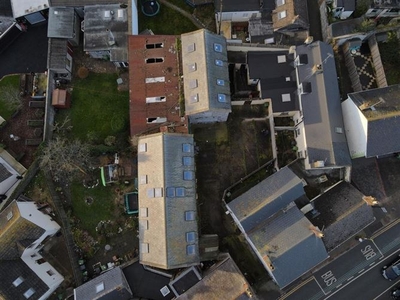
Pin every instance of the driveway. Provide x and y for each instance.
(28, 53)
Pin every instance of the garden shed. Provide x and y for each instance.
(61, 98)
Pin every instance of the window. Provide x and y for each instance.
(143, 224)
(188, 175)
(190, 215)
(171, 192)
(144, 212)
(29, 293)
(338, 129)
(165, 291)
(281, 59)
(150, 193)
(282, 14)
(217, 47)
(187, 161)
(9, 216)
(144, 247)
(220, 82)
(18, 281)
(193, 83)
(156, 99)
(298, 131)
(187, 148)
(300, 154)
(158, 192)
(190, 237)
(142, 147)
(222, 98)
(143, 179)
(280, 2)
(40, 261)
(287, 78)
(285, 97)
(155, 79)
(180, 192)
(100, 287)
(191, 47)
(50, 272)
(155, 46)
(192, 67)
(194, 98)
(154, 60)
(156, 120)
(190, 249)
(219, 63)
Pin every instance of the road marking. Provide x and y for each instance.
(320, 286)
(382, 230)
(385, 291)
(339, 285)
(384, 209)
(297, 287)
(371, 264)
(361, 271)
(377, 247)
(350, 278)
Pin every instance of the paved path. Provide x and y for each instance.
(191, 17)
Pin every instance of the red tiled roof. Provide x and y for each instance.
(140, 70)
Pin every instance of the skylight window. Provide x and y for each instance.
(165, 291)
(187, 161)
(142, 147)
(150, 193)
(180, 192)
(158, 192)
(219, 63)
(100, 287)
(190, 250)
(190, 215)
(171, 192)
(282, 14)
(191, 48)
(194, 98)
(144, 212)
(192, 67)
(190, 237)
(187, 148)
(217, 47)
(222, 98)
(188, 175)
(220, 82)
(18, 281)
(29, 293)
(193, 83)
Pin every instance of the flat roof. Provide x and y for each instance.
(25, 7)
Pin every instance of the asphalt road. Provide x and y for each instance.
(28, 53)
(356, 275)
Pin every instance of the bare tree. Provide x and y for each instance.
(10, 95)
(66, 159)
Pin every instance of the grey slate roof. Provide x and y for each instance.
(161, 167)
(17, 230)
(5, 8)
(4, 173)
(61, 22)
(104, 24)
(322, 111)
(276, 78)
(349, 5)
(383, 134)
(286, 242)
(266, 198)
(237, 5)
(57, 58)
(343, 213)
(206, 73)
(114, 286)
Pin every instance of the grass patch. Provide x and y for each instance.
(98, 108)
(102, 207)
(12, 80)
(168, 21)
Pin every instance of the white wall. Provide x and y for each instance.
(355, 125)
(240, 16)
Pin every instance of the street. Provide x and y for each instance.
(356, 274)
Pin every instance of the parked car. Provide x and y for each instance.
(396, 293)
(392, 271)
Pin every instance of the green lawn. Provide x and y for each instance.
(12, 80)
(98, 108)
(167, 21)
(102, 207)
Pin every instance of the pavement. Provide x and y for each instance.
(27, 53)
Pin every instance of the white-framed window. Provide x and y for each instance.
(142, 147)
(285, 97)
(282, 14)
(29, 293)
(217, 47)
(18, 281)
(280, 2)
(156, 99)
(154, 46)
(154, 60)
(155, 79)
(338, 129)
(281, 59)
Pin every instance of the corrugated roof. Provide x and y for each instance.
(286, 242)
(162, 224)
(57, 58)
(343, 213)
(109, 285)
(61, 22)
(274, 84)
(322, 111)
(106, 28)
(266, 198)
(167, 86)
(201, 50)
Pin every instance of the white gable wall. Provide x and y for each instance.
(238, 16)
(356, 127)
